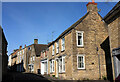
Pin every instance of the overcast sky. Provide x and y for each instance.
(23, 22)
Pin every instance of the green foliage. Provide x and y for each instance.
(53, 75)
(104, 78)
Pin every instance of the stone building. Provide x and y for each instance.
(3, 53)
(10, 62)
(27, 59)
(13, 61)
(44, 61)
(20, 59)
(77, 54)
(112, 20)
(33, 54)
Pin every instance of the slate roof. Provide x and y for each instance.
(113, 14)
(70, 28)
(39, 48)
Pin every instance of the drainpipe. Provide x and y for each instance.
(98, 55)
(99, 64)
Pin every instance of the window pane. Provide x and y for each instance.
(53, 65)
(53, 50)
(78, 65)
(60, 65)
(79, 34)
(79, 40)
(80, 62)
(63, 64)
(63, 44)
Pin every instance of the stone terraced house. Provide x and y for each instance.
(34, 57)
(44, 61)
(112, 19)
(27, 59)
(83, 51)
(77, 53)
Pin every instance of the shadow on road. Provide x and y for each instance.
(17, 76)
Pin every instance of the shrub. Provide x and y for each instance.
(53, 75)
(104, 78)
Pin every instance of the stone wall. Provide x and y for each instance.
(68, 58)
(114, 32)
(94, 34)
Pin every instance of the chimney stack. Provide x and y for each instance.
(20, 47)
(92, 6)
(35, 41)
(25, 46)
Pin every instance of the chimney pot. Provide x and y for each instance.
(35, 41)
(20, 47)
(25, 45)
(92, 6)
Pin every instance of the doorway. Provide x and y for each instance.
(106, 47)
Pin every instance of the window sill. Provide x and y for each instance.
(62, 73)
(52, 72)
(80, 46)
(57, 53)
(62, 50)
(81, 69)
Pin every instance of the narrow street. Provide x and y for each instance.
(16, 76)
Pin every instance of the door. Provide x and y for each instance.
(42, 68)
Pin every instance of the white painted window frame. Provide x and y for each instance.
(45, 67)
(60, 70)
(53, 66)
(63, 63)
(82, 32)
(33, 58)
(57, 47)
(23, 57)
(53, 50)
(18, 59)
(62, 48)
(20, 52)
(50, 66)
(23, 51)
(81, 55)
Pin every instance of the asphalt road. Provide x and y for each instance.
(15, 77)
